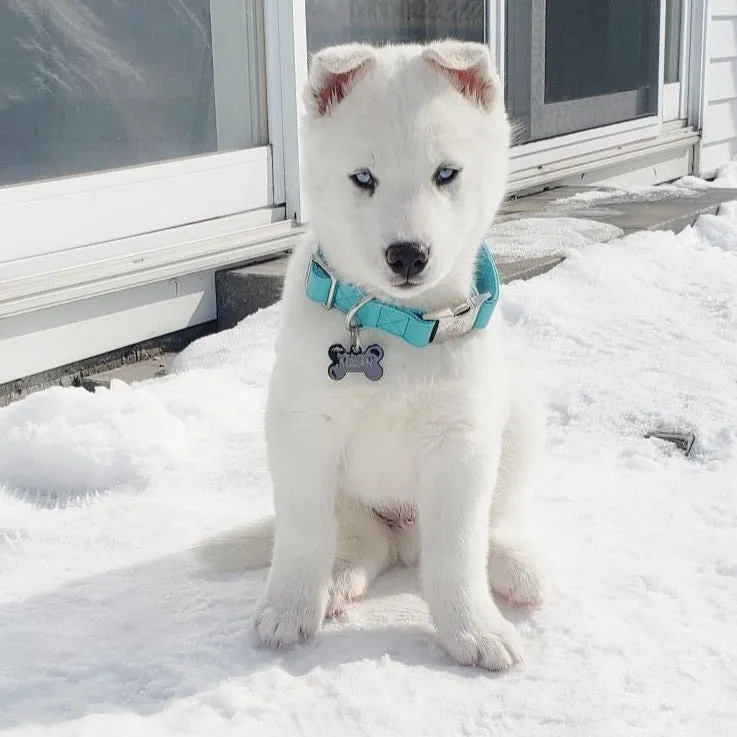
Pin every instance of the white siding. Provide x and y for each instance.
(720, 121)
(719, 143)
(720, 8)
(38, 341)
(722, 80)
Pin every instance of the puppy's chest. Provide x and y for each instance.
(387, 446)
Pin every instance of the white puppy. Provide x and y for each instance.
(416, 445)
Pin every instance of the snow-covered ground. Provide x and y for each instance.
(109, 625)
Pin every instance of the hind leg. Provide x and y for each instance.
(514, 572)
(365, 551)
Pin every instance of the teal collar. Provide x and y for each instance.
(416, 328)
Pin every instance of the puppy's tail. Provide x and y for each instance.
(245, 549)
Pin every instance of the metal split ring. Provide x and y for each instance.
(350, 326)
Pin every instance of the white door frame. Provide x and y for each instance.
(286, 47)
(648, 127)
(549, 155)
(676, 94)
(495, 33)
(695, 76)
(287, 63)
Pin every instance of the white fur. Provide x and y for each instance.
(449, 429)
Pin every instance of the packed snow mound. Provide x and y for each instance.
(62, 445)
(108, 624)
(727, 176)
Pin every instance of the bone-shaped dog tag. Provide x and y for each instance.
(355, 360)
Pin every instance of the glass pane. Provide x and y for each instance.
(381, 21)
(673, 26)
(90, 85)
(578, 64)
(601, 48)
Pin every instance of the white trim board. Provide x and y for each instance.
(583, 142)
(646, 170)
(59, 278)
(63, 214)
(670, 104)
(46, 339)
(587, 158)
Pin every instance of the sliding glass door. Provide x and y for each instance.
(93, 85)
(101, 98)
(578, 64)
(380, 21)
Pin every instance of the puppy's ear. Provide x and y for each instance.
(333, 73)
(469, 68)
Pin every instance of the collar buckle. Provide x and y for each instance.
(317, 260)
(453, 322)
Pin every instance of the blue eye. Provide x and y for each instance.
(364, 179)
(445, 175)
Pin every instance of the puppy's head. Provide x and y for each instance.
(405, 154)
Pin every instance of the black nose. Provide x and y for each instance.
(407, 259)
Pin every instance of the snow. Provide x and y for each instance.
(534, 237)
(620, 193)
(565, 225)
(109, 625)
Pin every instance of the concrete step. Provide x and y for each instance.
(149, 368)
(241, 292)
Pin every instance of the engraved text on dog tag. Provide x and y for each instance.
(355, 359)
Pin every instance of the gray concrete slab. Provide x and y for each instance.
(527, 268)
(656, 208)
(150, 368)
(241, 292)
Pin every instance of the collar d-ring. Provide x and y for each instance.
(350, 315)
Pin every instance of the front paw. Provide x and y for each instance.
(488, 641)
(286, 623)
